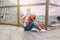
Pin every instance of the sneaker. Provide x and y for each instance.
(42, 30)
(34, 30)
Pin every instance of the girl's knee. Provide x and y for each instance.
(32, 23)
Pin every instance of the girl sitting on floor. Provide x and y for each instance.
(29, 23)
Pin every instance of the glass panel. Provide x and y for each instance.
(38, 10)
(9, 15)
(31, 1)
(8, 2)
(40, 13)
(55, 2)
(53, 13)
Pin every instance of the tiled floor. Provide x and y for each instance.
(8, 32)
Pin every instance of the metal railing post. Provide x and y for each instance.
(18, 13)
(46, 14)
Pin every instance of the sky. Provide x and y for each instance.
(39, 10)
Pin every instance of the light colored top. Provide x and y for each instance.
(25, 21)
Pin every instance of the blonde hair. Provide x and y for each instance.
(34, 16)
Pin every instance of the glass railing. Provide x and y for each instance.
(9, 15)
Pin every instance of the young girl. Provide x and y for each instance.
(30, 23)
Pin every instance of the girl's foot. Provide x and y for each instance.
(42, 30)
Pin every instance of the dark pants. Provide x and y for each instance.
(30, 26)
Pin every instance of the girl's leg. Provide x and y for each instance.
(31, 25)
(28, 27)
(35, 26)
